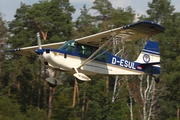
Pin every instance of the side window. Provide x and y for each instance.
(84, 50)
(68, 46)
(102, 56)
(94, 49)
(87, 51)
(81, 49)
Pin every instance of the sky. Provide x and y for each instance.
(8, 7)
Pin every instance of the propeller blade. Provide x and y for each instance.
(39, 41)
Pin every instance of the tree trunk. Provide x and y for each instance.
(51, 94)
(130, 98)
(178, 111)
(9, 83)
(83, 104)
(50, 107)
(32, 90)
(75, 92)
(9, 91)
(39, 87)
(147, 96)
(18, 85)
(39, 97)
(45, 90)
(87, 107)
(107, 88)
(152, 97)
(43, 33)
(115, 87)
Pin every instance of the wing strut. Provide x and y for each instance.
(100, 48)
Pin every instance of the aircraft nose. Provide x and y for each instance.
(39, 51)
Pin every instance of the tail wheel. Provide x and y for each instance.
(156, 80)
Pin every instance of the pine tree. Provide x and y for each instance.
(162, 11)
(53, 20)
(85, 24)
(3, 40)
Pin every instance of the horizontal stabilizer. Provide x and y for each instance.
(149, 64)
(151, 68)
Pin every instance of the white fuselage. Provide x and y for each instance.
(68, 62)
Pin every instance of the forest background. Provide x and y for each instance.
(25, 95)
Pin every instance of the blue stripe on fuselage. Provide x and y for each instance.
(59, 51)
(114, 60)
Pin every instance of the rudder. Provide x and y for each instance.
(150, 53)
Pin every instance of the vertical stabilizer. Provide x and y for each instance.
(150, 53)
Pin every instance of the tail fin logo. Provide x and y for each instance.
(146, 58)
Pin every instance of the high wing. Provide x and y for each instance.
(29, 51)
(130, 32)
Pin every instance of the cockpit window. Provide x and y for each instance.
(68, 46)
(84, 50)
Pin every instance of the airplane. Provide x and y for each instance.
(86, 56)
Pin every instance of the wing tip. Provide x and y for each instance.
(13, 50)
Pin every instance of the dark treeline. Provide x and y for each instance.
(25, 95)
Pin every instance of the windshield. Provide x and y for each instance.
(68, 46)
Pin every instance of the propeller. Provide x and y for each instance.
(39, 51)
(39, 41)
(53, 82)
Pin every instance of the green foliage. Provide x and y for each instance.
(85, 24)
(160, 10)
(21, 29)
(104, 7)
(121, 16)
(110, 17)
(3, 28)
(10, 110)
(34, 114)
(63, 103)
(52, 19)
(23, 93)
